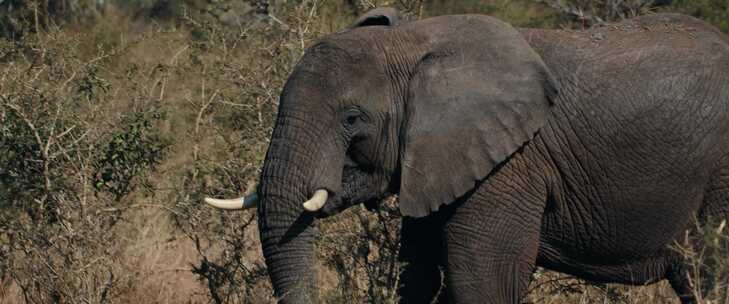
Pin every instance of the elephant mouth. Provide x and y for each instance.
(357, 186)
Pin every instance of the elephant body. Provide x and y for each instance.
(636, 149)
(585, 152)
(638, 144)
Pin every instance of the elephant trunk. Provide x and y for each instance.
(291, 176)
(287, 241)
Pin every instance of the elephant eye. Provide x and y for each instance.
(351, 117)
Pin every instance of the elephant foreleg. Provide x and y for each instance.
(421, 256)
(492, 240)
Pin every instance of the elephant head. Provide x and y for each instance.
(425, 110)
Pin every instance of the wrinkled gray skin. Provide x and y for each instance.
(586, 152)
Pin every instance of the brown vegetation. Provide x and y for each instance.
(113, 128)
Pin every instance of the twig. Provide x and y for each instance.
(71, 145)
(550, 281)
(44, 153)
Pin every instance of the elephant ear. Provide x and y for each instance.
(472, 103)
(383, 16)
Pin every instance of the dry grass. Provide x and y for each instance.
(113, 133)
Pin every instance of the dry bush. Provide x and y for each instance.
(713, 11)
(58, 142)
(589, 12)
(19, 17)
(706, 250)
(526, 13)
(585, 13)
(359, 252)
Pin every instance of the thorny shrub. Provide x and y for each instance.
(19, 17)
(706, 250)
(590, 12)
(360, 250)
(586, 13)
(55, 131)
(131, 152)
(713, 11)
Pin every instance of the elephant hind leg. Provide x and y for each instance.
(715, 208)
(678, 277)
(716, 199)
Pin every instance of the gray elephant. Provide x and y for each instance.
(585, 152)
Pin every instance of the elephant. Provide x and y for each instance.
(585, 152)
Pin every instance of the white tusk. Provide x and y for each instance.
(317, 200)
(246, 202)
